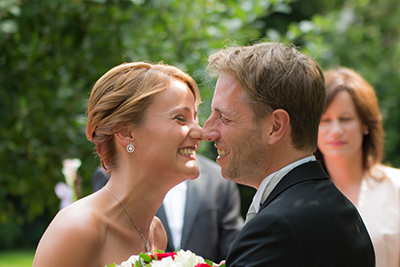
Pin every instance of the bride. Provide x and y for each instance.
(142, 119)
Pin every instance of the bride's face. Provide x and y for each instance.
(168, 139)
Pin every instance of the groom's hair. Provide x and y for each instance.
(275, 76)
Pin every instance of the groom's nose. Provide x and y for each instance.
(210, 129)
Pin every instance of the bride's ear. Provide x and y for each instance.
(124, 137)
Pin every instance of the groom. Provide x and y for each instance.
(266, 109)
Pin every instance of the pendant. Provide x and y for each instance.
(147, 247)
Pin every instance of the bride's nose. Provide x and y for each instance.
(196, 131)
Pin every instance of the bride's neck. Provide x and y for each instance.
(140, 195)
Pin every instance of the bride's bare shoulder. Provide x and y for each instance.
(80, 217)
(76, 230)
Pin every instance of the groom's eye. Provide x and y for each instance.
(224, 120)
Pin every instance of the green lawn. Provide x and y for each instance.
(16, 258)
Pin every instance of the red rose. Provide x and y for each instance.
(159, 256)
(202, 265)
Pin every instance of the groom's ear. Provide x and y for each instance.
(278, 124)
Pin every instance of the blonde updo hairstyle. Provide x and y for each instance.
(120, 98)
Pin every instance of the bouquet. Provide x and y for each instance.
(181, 258)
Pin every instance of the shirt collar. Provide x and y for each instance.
(257, 199)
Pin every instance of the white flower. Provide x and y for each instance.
(165, 262)
(130, 262)
(70, 167)
(187, 259)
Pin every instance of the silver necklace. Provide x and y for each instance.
(127, 212)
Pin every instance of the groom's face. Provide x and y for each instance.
(237, 137)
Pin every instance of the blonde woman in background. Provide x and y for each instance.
(350, 146)
(143, 120)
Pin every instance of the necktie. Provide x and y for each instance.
(250, 213)
(268, 189)
(270, 186)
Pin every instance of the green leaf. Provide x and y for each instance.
(209, 262)
(145, 257)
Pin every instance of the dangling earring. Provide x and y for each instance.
(366, 132)
(130, 148)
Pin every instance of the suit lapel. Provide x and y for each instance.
(163, 217)
(308, 171)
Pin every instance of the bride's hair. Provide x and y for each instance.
(120, 98)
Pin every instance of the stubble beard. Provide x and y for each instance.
(247, 159)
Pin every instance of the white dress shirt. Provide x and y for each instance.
(269, 183)
(174, 205)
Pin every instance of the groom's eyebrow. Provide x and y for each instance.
(227, 115)
(218, 110)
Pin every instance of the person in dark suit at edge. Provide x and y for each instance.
(201, 215)
(266, 110)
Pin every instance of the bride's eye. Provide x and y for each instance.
(180, 119)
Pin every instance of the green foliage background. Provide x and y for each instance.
(53, 51)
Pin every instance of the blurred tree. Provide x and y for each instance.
(363, 35)
(276, 23)
(53, 51)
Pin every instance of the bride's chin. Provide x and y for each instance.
(194, 176)
(194, 171)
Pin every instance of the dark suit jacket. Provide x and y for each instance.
(305, 221)
(99, 179)
(212, 214)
